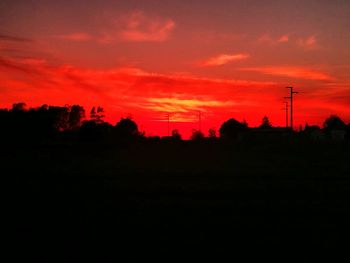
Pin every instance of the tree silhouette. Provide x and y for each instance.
(21, 106)
(231, 128)
(212, 133)
(348, 131)
(126, 128)
(97, 114)
(46, 122)
(58, 117)
(311, 128)
(93, 113)
(334, 122)
(265, 123)
(175, 134)
(88, 130)
(76, 115)
(38, 123)
(197, 135)
(92, 131)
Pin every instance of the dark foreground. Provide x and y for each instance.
(72, 203)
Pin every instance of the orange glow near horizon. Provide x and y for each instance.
(147, 60)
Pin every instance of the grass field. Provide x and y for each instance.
(69, 201)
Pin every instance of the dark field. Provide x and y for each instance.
(69, 203)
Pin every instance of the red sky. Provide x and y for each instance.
(150, 58)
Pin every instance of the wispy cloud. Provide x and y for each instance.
(283, 39)
(134, 27)
(223, 59)
(76, 37)
(138, 27)
(292, 72)
(273, 41)
(19, 65)
(309, 43)
(173, 104)
(13, 44)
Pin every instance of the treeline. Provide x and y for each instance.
(50, 123)
(44, 122)
(47, 123)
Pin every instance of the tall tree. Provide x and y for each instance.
(265, 123)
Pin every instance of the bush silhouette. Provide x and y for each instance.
(231, 128)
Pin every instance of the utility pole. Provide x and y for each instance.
(291, 104)
(200, 120)
(286, 109)
(168, 117)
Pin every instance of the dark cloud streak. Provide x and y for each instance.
(4, 63)
(4, 37)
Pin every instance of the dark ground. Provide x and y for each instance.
(70, 203)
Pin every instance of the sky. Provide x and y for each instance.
(147, 59)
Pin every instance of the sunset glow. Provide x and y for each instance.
(147, 59)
